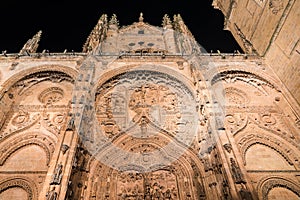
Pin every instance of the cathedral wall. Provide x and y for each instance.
(127, 121)
(284, 53)
(258, 127)
(270, 29)
(35, 98)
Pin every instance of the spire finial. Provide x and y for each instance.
(32, 44)
(166, 23)
(97, 35)
(114, 20)
(141, 18)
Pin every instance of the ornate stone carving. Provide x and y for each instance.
(237, 175)
(51, 195)
(227, 147)
(20, 119)
(250, 139)
(97, 35)
(235, 96)
(53, 122)
(31, 45)
(236, 122)
(57, 175)
(157, 185)
(51, 95)
(11, 146)
(32, 79)
(180, 26)
(237, 75)
(275, 6)
(166, 22)
(21, 182)
(64, 148)
(265, 185)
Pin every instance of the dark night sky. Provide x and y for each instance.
(66, 24)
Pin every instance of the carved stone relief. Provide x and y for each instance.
(51, 95)
(275, 6)
(142, 105)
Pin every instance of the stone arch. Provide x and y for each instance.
(16, 144)
(249, 140)
(187, 81)
(184, 169)
(266, 184)
(22, 182)
(35, 70)
(248, 76)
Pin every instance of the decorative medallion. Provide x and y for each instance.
(51, 95)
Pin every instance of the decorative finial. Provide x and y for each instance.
(141, 18)
(166, 23)
(32, 44)
(97, 35)
(113, 20)
(180, 26)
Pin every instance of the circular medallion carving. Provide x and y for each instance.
(235, 96)
(51, 95)
(20, 118)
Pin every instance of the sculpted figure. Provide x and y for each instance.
(56, 177)
(52, 194)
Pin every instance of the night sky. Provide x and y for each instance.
(66, 24)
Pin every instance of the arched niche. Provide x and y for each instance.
(26, 158)
(277, 187)
(262, 157)
(33, 90)
(44, 87)
(279, 193)
(260, 86)
(14, 187)
(14, 193)
(181, 180)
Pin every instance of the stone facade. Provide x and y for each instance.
(271, 29)
(145, 113)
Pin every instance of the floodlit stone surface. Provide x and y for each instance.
(145, 112)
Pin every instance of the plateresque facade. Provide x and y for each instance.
(145, 113)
